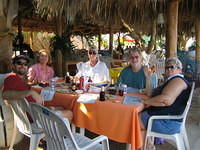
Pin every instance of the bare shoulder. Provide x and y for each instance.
(177, 83)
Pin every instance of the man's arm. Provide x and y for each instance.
(10, 95)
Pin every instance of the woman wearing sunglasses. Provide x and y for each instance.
(41, 72)
(94, 69)
(168, 99)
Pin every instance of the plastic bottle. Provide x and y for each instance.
(52, 83)
(102, 94)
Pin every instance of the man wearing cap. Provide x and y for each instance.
(16, 87)
(94, 69)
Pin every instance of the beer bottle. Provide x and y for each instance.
(67, 78)
(73, 86)
(102, 94)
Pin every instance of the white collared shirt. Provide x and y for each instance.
(98, 73)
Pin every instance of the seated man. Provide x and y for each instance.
(135, 75)
(94, 69)
(16, 87)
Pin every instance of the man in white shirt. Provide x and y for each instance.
(94, 69)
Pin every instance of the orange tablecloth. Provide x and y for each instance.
(118, 121)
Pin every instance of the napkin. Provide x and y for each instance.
(47, 94)
(87, 98)
(132, 100)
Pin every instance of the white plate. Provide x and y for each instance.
(79, 91)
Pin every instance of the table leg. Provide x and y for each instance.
(73, 128)
(128, 146)
(82, 131)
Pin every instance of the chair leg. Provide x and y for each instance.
(145, 142)
(34, 141)
(179, 143)
(128, 146)
(149, 143)
(105, 145)
(185, 139)
(13, 136)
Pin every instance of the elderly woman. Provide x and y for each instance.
(94, 69)
(41, 72)
(168, 99)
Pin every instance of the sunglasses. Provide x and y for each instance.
(21, 63)
(92, 53)
(171, 67)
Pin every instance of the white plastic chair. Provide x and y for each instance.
(59, 135)
(181, 138)
(20, 110)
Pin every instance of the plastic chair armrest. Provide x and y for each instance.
(95, 141)
(166, 117)
(150, 122)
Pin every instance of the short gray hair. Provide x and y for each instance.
(174, 60)
(134, 50)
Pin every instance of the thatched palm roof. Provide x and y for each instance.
(100, 15)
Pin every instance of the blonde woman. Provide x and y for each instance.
(41, 72)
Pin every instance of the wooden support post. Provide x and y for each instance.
(31, 40)
(197, 31)
(58, 59)
(82, 41)
(111, 41)
(172, 25)
(99, 41)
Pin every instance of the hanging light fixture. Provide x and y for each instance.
(160, 19)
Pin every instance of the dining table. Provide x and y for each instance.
(119, 122)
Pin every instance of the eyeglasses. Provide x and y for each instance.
(21, 63)
(171, 67)
(92, 53)
(134, 57)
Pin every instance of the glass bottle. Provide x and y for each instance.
(102, 94)
(73, 85)
(67, 78)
